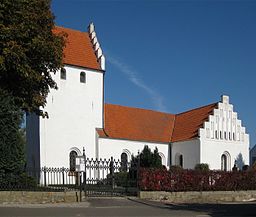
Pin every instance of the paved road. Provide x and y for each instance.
(97, 207)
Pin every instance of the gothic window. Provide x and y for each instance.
(82, 77)
(224, 162)
(72, 160)
(234, 138)
(63, 74)
(181, 160)
(124, 161)
(229, 135)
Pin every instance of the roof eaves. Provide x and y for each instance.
(83, 67)
(136, 140)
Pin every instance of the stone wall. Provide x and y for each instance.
(22, 197)
(199, 197)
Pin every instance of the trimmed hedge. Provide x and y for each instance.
(195, 180)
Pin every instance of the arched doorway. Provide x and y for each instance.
(124, 161)
(72, 161)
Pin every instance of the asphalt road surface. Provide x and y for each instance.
(96, 207)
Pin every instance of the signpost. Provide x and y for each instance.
(81, 169)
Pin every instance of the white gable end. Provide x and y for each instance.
(224, 124)
(223, 134)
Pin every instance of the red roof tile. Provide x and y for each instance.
(137, 124)
(146, 125)
(79, 50)
(188, 123)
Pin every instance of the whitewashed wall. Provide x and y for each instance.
(75, 110)
(190, 150)
(224, 133)
(115, 147)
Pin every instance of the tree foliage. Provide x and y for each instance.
(29, 51)
(147, 158)
(11, 137)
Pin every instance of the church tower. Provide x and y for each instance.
(75, 110)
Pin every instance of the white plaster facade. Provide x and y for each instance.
(190, 152)
(75, 110)
(115, 147)
(224, 134)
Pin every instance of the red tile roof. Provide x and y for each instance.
(146, 125)
(79, 50)
(188, 123)
(137, 124)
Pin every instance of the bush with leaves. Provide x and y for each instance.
(202, 167)
(148, 159)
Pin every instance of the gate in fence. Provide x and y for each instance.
(95, 177)
(103, 177)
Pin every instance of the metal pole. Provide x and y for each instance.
(112, 175)
(84, 173)
(80, 193)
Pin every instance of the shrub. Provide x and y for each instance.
(151, 179)
(147, 158)
(175, 168)
(202, 167)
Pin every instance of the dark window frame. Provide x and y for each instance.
(82, 77)
(63, 74)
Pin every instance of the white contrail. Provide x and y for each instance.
(133, 77)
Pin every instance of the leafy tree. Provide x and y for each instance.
(11, 137)
(148, 158)
(29, 51)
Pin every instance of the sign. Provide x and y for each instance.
(80, 164)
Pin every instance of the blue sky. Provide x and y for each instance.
(173, 56)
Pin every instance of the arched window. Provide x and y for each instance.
(124, 161)
(82, 77)
(72, 160)
(179, 160)
(63, 73)
(224, 162)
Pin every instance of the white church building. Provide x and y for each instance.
(79, 118)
